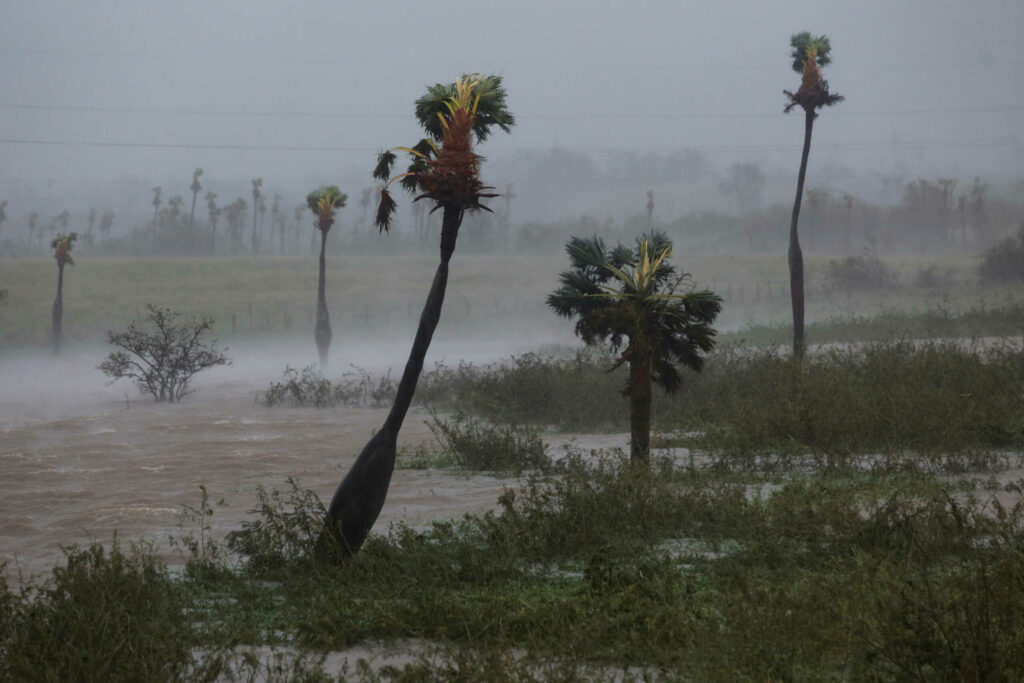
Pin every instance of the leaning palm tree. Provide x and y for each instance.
(62, 245)
(809, 54)
(444, 170)
(323, 203)
(630, 295)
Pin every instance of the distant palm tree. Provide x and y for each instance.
(809, 54)
(630, 294)
(299, 209)
(257, 183)
(62, 245)
(195, 187)
(274, 222)
(33, 221)
(106, 223)
(445, 171)
(235, 215)
(214, 212)
(323, 203)
(156, 207)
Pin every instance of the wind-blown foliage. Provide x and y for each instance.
(628, 297)
(447, 174)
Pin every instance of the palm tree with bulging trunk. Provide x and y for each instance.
(323, 203)
(444, 170)
(62, 245)
(630, 295)
(195, 187)
(257, 183)
(809, 54)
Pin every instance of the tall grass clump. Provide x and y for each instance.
(309, 388)
(105, 615)
(472, 444)
(578, 393)
(935, 399)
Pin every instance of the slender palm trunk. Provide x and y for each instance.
(255, 239)
(360, 496)
(192, 213)
(322, 333)
(796, 256)
(639, 410)
(58, 309)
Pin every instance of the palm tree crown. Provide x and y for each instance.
(809, 54)
(447, 174)
(625, 293)
(61, 246)
(323, 202)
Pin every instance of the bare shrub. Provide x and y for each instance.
(163, 360)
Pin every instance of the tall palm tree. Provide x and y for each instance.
(809, 54)
(275, 209)
(62, 245)
(156, 207)
(445, 171)
(630, 294)
(323, 203)
(257, 183)
(195, 187)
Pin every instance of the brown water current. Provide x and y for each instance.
(80, 460)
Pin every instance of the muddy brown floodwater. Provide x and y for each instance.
(80, 459)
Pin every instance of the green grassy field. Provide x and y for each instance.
(370, 294)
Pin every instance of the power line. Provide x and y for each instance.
(462, 64)
(318, 148)
(349, 115)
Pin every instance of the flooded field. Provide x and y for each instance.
(81, 459)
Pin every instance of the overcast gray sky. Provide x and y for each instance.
(306, 92)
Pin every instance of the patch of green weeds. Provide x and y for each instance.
(472, 444)
(309, 388)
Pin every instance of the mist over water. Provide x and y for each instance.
(102, 102)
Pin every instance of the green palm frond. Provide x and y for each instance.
(626, 297)
(385, 161)
(491, 108)
(803, 44)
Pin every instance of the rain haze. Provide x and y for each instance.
(187, 145)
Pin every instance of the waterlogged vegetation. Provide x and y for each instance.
(595, 570)
(856, 515)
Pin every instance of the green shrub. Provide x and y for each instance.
(859, 272)
(103, 616)
(311, 389)
(1004, 263)
(476, 445)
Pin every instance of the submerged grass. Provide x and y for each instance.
(598, 570)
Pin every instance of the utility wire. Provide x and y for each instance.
(319, 148)
(348, 115)
(500, 64)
